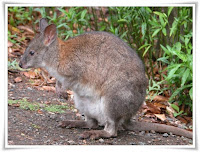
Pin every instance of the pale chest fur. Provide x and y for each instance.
(53, 72)
(89, 103)
(86, 98)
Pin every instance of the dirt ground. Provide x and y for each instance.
(26, 127)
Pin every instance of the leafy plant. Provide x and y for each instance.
(178, 111)
(14, 65)
(160, 35)
(19, 15)
(155, 88)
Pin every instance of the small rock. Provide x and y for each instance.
(52, 116)
(101, 140)
(61, 136)
(29, 88)
(169, 119)
(47, 141)
(149, 142)
(153, 131)
(191, 141)
(12, 85)
(171, 134)
(142, 133)
(165, 135)
(62, 117)
(141, 143)
(149, 134)
(13, 98)
(41, 105)
(11, 142)
(132, 143)
(132, 133)
(71, 142)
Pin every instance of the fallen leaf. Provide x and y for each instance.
(26, 29)
(85, 142)
(160, 98)
(182, 119)
(37, 82)
(47, 88)
(161, 116)
(18, 79)
(10, 50)
(189, 119)
(46, 77)
(13, 29)
(30, 74)
(170, 110)
(47, 102)
(160, 105)
(14, 105)
(22, 134)
(40, 111)
(152, 108)
(10, 44)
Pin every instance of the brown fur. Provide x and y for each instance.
(106, 75)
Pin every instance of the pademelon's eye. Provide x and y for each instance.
(32, 52)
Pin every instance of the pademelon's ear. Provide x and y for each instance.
(50, 34)
(43, 24)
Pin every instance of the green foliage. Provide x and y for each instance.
(24, 104)
(20, 15)
(14, 65)
(155, 87)
(56, 108)
(34, 106)
(163, 34)
(178, 111)
(10, 37)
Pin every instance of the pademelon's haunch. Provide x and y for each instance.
(105, 74)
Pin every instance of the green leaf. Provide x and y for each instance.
(123, 35)
(185, 76)
(191, 93)
(159, 13)
(164, 31)
(164, 59)
(144, 28)
(162, 21)
(83, 14)
(174, 27)
(172, 71)
(186, 41)
(146, 50)
(122, 21)
(169, 10)
(156, 32)
(148, 9)
(175, 107)
(179, 90)
(165, 49)
(143, 46)
(179, 113)
(178, 46)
